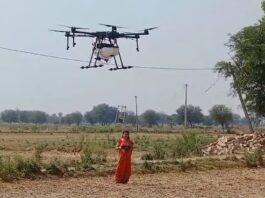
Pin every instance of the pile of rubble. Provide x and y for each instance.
(235, 144)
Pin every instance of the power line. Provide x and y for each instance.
(212, 85)
(84, 61)
(40, 54)
(172, 68)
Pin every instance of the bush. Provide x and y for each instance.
(27, 168)
(190, 144)
(86, 158)
(39, 150)
(254, 159)
(8, 171)
(147, 156)
(13, 169)
(185, 165)
(100, 156)
(159, 151)
(54, 168)
(148, 166)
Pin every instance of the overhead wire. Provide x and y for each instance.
(41, 54)
(85, 61)
(212, 85)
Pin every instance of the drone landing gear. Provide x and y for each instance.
(88, 67)
(117, 66)
(121, 62)
(97, 45)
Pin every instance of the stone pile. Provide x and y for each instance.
(235, 144)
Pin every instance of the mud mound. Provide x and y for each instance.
(235, 144)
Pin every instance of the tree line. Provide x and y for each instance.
(104, 114)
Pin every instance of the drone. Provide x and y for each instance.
(105, 46)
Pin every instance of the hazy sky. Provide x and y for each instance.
(192, 33)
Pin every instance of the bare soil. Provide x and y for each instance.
(214, 183)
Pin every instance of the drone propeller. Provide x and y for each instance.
(73, 27)
(67, 35)
(147, 29)
(60, 31)
(107, 25)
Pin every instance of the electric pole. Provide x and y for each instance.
(185, 116)
(136, 114)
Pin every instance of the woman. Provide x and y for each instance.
(125, 147)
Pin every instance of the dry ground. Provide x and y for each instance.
(215, 183)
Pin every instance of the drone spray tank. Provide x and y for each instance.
(106, 51)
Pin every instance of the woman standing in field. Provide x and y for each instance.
(125, 147)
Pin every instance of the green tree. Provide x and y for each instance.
(77, 117)
(38, 117)
(89, 117)
(174, 119)
(150, 117)
(67, 119)
(222, 115)
(247, 49)
(73, 118)
(104, 114)
(54, 118)
(207, 120)
(24, 116)
(164, 119)
(194, 114)
(10, 116)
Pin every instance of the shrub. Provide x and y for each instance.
(13, 169)
(54, 168)
(147, 156)
(39, 150)
(8, 171)
(148, 166)
(100, 156)
(254, 159)
(185, 165)
(159, 151)
(190, 144)
(27, 168)
(86, 158)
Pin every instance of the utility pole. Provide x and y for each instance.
(185, 116)
(136, 114)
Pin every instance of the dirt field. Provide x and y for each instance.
(217, 183)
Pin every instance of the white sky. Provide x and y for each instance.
(192, 33)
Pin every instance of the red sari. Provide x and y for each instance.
(123, 169)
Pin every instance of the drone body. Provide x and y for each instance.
(105, 46)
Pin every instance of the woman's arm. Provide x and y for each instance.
(118, 145)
